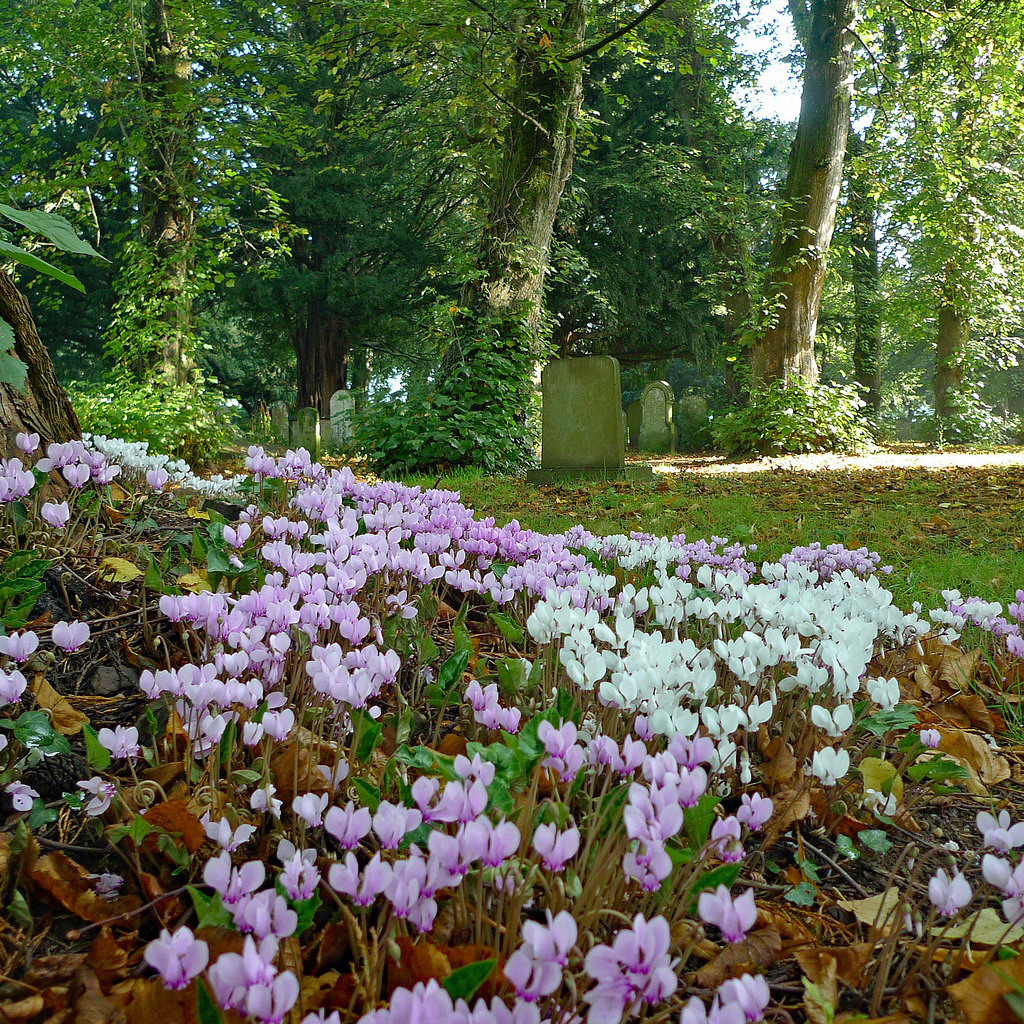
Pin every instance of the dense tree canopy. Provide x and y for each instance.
(439, 196)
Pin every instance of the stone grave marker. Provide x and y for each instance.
(279, 421)
(657, 433)
(306, 433)
(582, 433)
(691, 419)
(633, 424)
(343, 407)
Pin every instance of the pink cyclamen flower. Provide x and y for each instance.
(19, 646)
(750, 991)
(635, 968)
(156, 478)
(310, 808)
(999, 834)
(69, 636)
(755, 811)
(55, 514)
(556, 848)
(531, 977)
(348, 824)
(554, 941)
(12, 685)
(949, 895)
(725, 838)
(28, 443)
(178, 958)
(931, 738)
(120, 742)
(694, 1012)
(734, 918)
(77, 474)
(22, 796)
(102, 793)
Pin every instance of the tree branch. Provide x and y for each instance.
(602, 43)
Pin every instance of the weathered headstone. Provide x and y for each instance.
(343, 407)
(582, 434)
(633, 424)
(306, 433)
(691, 421)
(657, 433)
(279, 421)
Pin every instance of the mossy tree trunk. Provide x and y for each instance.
(43, 407)
(167, 188)
(867, 298)
(808, 203)
(950, 348)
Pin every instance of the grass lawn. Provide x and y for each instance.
(941, 519)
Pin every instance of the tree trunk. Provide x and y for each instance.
(321, 356)
(730, 252)
(167, 186)
(43, 407)
(792, 294)
(867, 301)
(950, 346)
(535, 165)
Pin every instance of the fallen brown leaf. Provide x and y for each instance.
(759, 949)
(980, 995)
(849, 961)
(174, 816)
(820, 988)
(985, 767)
(69, 883)
(109, 954)
(91, 1006)
(68, 721)
(420, 961)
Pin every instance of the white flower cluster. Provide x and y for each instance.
(686, 655)
(134, 456)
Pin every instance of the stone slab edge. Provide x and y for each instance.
(635, 474)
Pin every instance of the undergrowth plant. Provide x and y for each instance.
(553, 826)
(795, 416)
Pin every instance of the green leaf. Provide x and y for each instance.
(209, 909)
(53, 227)
(508, 627)
(19, 255)
(369, 795)
(463, 982)
(40, 814)
(845, 846)
(724, 874)
(17, 911)
(12, 370)
(96, 754)
(451, 671)
(33, 729)
(803, 895)
(875, 839)
(206, 1009)
(899, 719)
(937, 768)
(698, 820)
(306, 909)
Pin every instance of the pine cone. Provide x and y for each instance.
(56, 774)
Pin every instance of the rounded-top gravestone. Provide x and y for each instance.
(657, 433)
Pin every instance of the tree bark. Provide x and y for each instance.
(867, 300)
(730, 252)
(321, 355)
(43, 407)
(167, 186)
(792, 294)
(950, 346)
(536, 162)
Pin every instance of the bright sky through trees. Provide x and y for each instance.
(770, 36)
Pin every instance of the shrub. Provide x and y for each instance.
(188, 421)
(794, 416)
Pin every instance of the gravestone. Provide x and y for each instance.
(343, 407)
(633, 424)
(691, 421)
(657, 433)
(279, 421)
(306, 432)
(582, 433)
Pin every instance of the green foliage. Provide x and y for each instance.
(21, 582)
(474, 413)
(972, 422)
(181, 420)
(794, 416)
